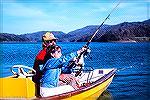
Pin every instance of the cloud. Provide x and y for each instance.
(19, 10)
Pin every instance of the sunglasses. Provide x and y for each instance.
(50, 41)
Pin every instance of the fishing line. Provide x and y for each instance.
(121, 69)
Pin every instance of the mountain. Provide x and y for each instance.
(84, 33)
(12, 37)
(133, 31)
(37, 36)
(126, 31)
(29, 37)
(147, 21)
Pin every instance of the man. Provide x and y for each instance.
(48, 40)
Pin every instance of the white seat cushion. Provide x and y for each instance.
(55, 91)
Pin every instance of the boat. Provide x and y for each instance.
(93, 83)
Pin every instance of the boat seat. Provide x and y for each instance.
(57, 90)
(17, 88)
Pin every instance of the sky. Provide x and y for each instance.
(28, 16)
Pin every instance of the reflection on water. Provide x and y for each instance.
(106, 95)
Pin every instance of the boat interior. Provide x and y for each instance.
(21, 85)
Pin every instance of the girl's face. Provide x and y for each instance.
(57, 53)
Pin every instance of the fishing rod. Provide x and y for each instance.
(94, 34)
(87, 44)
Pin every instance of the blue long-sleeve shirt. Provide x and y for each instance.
(52, 70)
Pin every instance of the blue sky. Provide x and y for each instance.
(27, 16)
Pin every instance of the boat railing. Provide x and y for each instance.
(88, 70)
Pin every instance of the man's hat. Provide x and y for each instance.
(48, 36)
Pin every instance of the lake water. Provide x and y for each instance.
(130, 83)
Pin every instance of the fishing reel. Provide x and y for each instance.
(86, 52)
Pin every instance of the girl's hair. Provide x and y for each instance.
(49, 50)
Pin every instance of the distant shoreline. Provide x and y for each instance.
(120, 41)
(125, 41)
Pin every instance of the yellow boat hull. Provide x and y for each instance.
(25, 88)
(17, 88)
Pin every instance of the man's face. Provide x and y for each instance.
(50, 42)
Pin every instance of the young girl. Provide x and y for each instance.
(52, 68)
